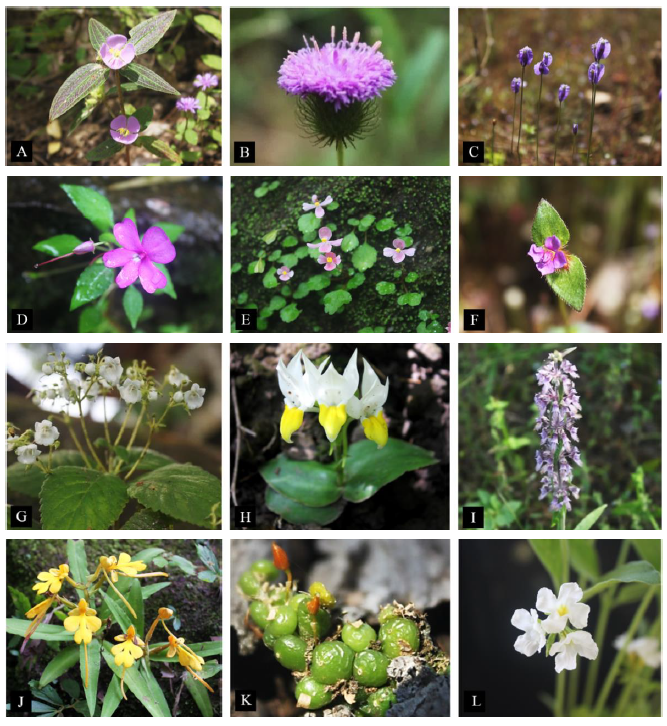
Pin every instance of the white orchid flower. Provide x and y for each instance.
(562, 608)
(647, 649)
(577, 643)
(369, 407)
(298, 397)
(534, 638)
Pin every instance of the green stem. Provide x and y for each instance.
(77, 443)
(48, 466)
(634, 625)
(153, 427)
(537, 130)
(123, 425)
(493, 144)
(574, 143)
(84, 429)
(560, 106)
(136, 426)
(513, 122)
(560, 694)
(563, 517)
(627, 691)
(518, 143)
(565, 314)
(340, 150)
(120, 94)
(572, 691)
(565, 556)
(590, 130)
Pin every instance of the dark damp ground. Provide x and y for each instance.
(46, 45)
(39, 209)
(422, 203)
(186, 595)
(417, 410)
(627, 108)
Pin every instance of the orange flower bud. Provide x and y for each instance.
(280, 559)
(314, 605)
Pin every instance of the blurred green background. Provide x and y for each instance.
(620, 433)
(615, 228)
(414, 126)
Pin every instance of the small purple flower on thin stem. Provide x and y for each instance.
(515, 85)
(124, 130)
(399, 253)
(330, 261)
(550, 257)
(541, 70)
(187, 104)
(117, 52)
(317, 205)
(601, 49)
(558, 410)
(284, 273)
(324, 245)
(207, 80)
(563, 93)
(575, 131)
(525, 56)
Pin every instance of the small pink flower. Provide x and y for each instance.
(284, 273)
(116, 52)
(550, 257)
(137, 257)
(317, 206)
(329, 260)
(449, 327)
(399, 252)
(208, 80)
(324, 245)
(124, 130)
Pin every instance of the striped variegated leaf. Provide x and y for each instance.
(77, 86)
(145, 77)
(148, 33)
(97, 33)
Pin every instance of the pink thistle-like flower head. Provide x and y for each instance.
(117, 52)
(317, 205)
(549, 258)
(324, 245)
(399, 252)
(330, 260)
(187, 104)
(339, 72)
(124, 130)
(136, 257)
(208, 80)
(284, 273)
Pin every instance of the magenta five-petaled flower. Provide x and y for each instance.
(330, 260)
(399, 252)
(284, 273)
(324, 245)
(117, 52)
(124, 130)
(317, 205)
(548, 258)
(136, 257)
(187, 104)
(208, 80)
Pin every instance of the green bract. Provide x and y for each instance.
(332, 662)
(258, 612)
(265, 570)
(249, 584)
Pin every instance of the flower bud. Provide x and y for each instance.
(164, 613)
(178, 396)
(84, 248)
(280, 559)
(47, 369)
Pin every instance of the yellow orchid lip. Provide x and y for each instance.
(332, 419)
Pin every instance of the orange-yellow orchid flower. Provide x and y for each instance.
(38, 612)
(51, 580)
(127, 652)
(83, 622)
(187, 658)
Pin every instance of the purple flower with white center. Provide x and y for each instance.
(515, 85)
(324, 245)
(601, 49)
(317, 205)
(575, 129)
(542, 68)
(208, 80)
(563, 92)
(137, 257)
(525, 56)
(548, 258)
(595, 73)
(558, 410)
(339, 72)
(330, 260)
(124, 130)
(399, 252)
(284, 273)
(188, 104)
(117, 52)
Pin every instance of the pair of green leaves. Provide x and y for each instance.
(308, 492)
(570, 284)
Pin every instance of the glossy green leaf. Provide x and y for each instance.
(149, 32)
(58, 665)
(368, 469)
(94, 206)
(169, 289)
(411, 298)
(549, 553)
(386, 288)
(94, 659)
(77, 560)
(97, 33)
(364, 257)
(547, 223)
(84, 80)
(159, 148)
(199, 693)
(146, 78)
(649, 550)
(307, 482)
(116, 609)
(570, 284)
(105, 150)
(77, 498)
(350, 242)
(29, 480)
(318, 282)
(112, 697)
(384, 224)
(365, 222)
(584, 557)
(133, 304)
(148, 590)
(308, 222)
(335, 300)
(210, 24)
(16, 626)
(590, 519)
(290, 313)
(296, 513)
(61, 244)
(185, 492)
(637, 571)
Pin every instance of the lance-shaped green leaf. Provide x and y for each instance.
(77, 86)
(98, 33)
(570, 284)
(148, 33)
(159, 148)
(145, 78)
(548, 222)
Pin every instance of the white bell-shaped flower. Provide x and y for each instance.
(46, 434)
(130, 391)
(194, 398)
(28, 454)
(562, 608)
(534, 638)
(566, 651)
(369, 407)
(110, 369)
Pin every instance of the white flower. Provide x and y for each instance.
(69, 388)
(152, 395)
(90, 369)
(648, 649)
(47, 369)
(111, 369)
(46, 433)
(130, 391)
(295, 387)
(578, 643)
(194, 398)
(533, 639)
(91, 389)
(51, 393)
(178, 396)
(176, 378)
(11, 442)
(562, 608)
(28, 454)
(369, 408)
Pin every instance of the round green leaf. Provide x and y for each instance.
(290, 313)
(296, 513)
(411, 277)
(308, 222)
(350, 241)
(570, 284)
(412, 298)
(270, 279)
(356, 280)
(364, 257)
(29, 480)
(366, 222)
(306, 482)
(318, 282)
(290, 241)
(334, 301)
(386, 288)
(191, 137)
(384, 224)
(133, 304)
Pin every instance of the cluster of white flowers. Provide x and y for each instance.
(44, 434)
(562, 612)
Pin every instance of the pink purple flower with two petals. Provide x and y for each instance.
(284, 273)
(324, 245)
(399, 252)
(317, 205)
(330, 260)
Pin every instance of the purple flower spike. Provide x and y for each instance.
(595, 73)
(549, 258)
(124, 130)
(575, 128)
(137, 257)
(284, 273)
(188, 104)
(601, 49)
(324, 245)
(563, 92)
(329, 260)
(317, 205)
(399, 252)
(208, 80)
(515, 85)
(339, 72)
(116, 52)
(525, 56)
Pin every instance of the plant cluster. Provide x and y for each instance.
(102, 477)
(331, 659)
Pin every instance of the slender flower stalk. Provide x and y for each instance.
(601, 50)
(563, 93)
(525, 56)
(515, 86)
(493, 143)
(575, 130)
(541, 69)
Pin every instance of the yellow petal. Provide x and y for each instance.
(71, 623)
(375, 428)
(291, 420)
(332, 419)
